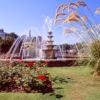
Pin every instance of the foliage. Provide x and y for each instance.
(21, 76)
(6, 43)
(65, 46)
(81, 62)
(80, 82)
(95, 50)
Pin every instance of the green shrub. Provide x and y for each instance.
(95, 50)
(82, 62)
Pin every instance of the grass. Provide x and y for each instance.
(77, 85)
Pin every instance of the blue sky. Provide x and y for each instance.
(20, 15)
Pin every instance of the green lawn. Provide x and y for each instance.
(77, 85)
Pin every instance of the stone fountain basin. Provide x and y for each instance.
(63, 62)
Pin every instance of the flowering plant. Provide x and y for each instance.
(41, 77)
(25, 76)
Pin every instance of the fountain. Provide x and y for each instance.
(49, 51)
(36, 48)
(26, 47)
(68, 13)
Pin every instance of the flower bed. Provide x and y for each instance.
(25, 77)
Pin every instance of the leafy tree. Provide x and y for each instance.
(13, 35)
(65, 46)
(6, 43)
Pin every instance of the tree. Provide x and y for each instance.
(6, 43)
(65, 46)
(13, 35)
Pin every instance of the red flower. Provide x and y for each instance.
(30, 64)
(41, 77)
(46, 62)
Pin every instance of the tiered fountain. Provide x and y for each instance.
(49, 51)
(30, 48)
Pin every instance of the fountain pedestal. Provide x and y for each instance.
(49, 52)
